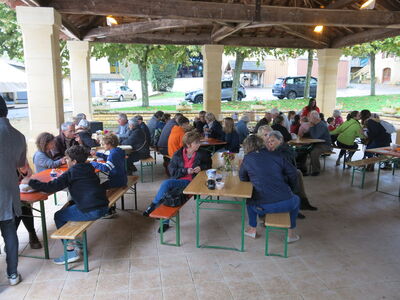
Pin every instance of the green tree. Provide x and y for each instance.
(388, 46)
(241, 53)
(163, 76)
(142, 56)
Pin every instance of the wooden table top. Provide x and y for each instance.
(211, 142)
(305, 141)
(233, 187)
(385, 151)
(126, 148)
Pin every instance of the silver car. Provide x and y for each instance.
(226, 93)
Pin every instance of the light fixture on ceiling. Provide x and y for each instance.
(319, 28)
(369, 4)
(111, 21)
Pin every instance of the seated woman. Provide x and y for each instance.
(278, 124)
(45, 143)
(186, 163)
(295, 126)
(231, 136)
(213, 128)
(347, 133)
(274, 142)
(272, 190)
(263, 131)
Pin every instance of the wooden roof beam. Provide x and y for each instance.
(237, 13)
(338, 4)
(224, 32)
(315, 39)
(141, 27)
(364, 36)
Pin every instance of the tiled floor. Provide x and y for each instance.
(349, 250)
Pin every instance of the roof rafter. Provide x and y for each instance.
(364, 36)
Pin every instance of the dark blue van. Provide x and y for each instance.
(292, 87)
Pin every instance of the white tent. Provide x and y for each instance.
(12, 79)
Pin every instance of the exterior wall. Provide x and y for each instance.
(343, 77)
(387, 62)
(274, 68)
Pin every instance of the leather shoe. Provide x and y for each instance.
(149, 210)
(34, 241)
(300, 216)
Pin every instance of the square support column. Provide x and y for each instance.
(79, 64)
(212, 74)
(40, 32)
(328, 62)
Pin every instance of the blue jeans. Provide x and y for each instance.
(72, 213)
(9, 233)
(291, 205)
(372, 145)
(166, 186)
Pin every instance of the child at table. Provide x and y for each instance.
(114, 166)
(45, 143)
(89, 201)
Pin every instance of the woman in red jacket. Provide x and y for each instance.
(312, 105)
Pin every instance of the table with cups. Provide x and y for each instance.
(218, 187)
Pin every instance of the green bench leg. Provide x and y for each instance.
(177, 231)
(85, 255)
(363, 177)
(378, 177)
(55, 199)
(144, 166)
(285, 242)
(352, 176)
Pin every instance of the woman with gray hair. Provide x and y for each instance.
(272, 190)
(140, 147)
(241, 128)
(274, 143)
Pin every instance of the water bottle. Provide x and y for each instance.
(53, 173)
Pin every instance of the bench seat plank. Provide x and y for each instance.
(165, 212)
(278, 220)
(366, 161)
(71, 230)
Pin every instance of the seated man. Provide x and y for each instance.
(264, 121)
(123, 127)
(186, 163)
(145, 129)
(64, 141)
(89, 201)
(241, 128)
(140, 147)
(152, 124)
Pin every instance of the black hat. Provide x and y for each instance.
(3, 108)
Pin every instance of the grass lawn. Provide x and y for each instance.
(373, 103)
(167, 95)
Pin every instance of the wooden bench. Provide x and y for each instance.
(346, 155)
(71, 231)
(155, 151)
(361, 165)
(147, 163)
(164, 212)
(277, 222)
(115, 194)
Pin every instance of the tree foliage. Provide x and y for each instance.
(163, 76)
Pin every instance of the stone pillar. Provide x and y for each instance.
(40, 32)
(79, 64)
(328, 62)
(212, 74)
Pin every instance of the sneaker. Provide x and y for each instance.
(110, 214)
(14, 279)
(149, 210)
(72, 256)
(251, 234)
(293, 239)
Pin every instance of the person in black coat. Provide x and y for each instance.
(145, 129)
(162, 144)
(200, 122)
(213, 127)
(231, 136)
(278, 126)
(264, 121)
(186, 163)
(140, 147)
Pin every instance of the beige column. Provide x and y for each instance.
(40, 31)
(328, 62)
(212, 73)
(79, 64)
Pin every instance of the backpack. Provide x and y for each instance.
(174, 197)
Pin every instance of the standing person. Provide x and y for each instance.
(65, 140)
(152, 124)
(318, 130)
(140, 147)
(175, 140)
(213, 127)
(42, 160)
(272, 190)
(144, 127)
(200, 122)
(312, 105)
(12, 157)
(264, 121)
(346, 134)
(241, 128)
(231, 136)
(278, 125)
(123, 127)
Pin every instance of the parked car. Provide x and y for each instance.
(293, 87)
(226, 93)
(120, 93)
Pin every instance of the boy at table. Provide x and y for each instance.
(114, 166)
(89, 201)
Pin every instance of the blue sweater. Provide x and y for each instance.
(242, 130)
(271, 174)
(114, 166)
(42, 161)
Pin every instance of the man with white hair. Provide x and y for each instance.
(241, 128)
(65, 140)
(275, 112)
(123, 127)
(318, 130)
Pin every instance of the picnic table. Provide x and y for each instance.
(233, 188)
(211, 143)
(304, 141)
(126, 148)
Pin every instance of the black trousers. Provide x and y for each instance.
(343, 152)
(26, 218)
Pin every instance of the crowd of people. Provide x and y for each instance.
(266, 147)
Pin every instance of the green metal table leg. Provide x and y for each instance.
(85, 253)
(65, 242)
(44, 230)
(266, 240)
(352, 176)
(286, 241)
(197, 221)
(243, 216)
(363, 177)
(178, 230)
(378, 177)
(161, 232)
(141, 172)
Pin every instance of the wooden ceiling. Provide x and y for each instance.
(260, 23)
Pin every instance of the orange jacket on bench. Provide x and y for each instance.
(175, 139)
